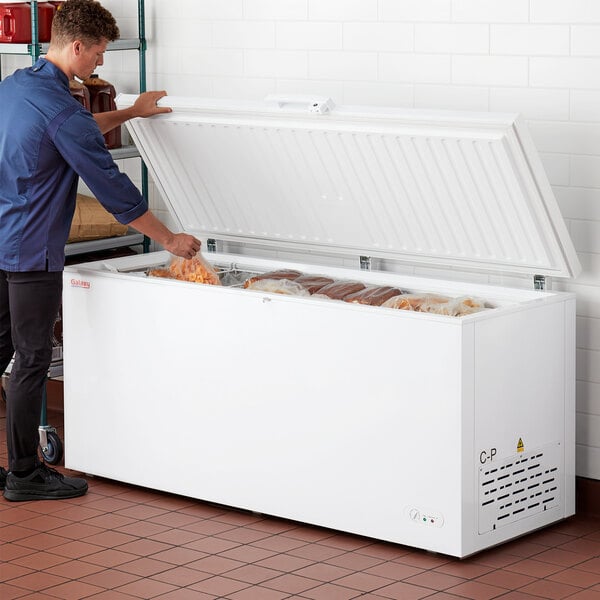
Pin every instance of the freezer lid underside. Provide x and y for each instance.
(465, 190)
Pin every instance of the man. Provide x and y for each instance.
(48, 140)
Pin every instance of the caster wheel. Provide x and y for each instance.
(54, 451)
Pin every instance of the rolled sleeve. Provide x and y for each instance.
(81, 144)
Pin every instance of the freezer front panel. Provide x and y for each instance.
(289, 408)
(358, 418)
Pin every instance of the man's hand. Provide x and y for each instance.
(183, 244)
(180, 244)
(146, 104)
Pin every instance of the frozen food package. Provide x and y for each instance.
(402, 302)
(279, 286)
(279, 274)
(313, 283)
(165, 273)
(467, 305)
(436, 304)
(416, 302)
(338, 290)
(432, 302)
(455, 307)
(195, 269)
(374, 295)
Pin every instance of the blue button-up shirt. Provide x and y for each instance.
(47, 141)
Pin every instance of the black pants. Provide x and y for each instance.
(29, 304)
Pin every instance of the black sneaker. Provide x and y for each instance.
(43, 484)
(3, 475)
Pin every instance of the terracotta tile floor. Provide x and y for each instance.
(120, 542)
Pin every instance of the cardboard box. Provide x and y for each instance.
(92, 221)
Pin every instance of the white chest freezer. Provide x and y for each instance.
(450, 434)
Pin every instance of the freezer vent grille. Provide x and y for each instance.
(519, 487)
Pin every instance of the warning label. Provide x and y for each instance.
(520, 446)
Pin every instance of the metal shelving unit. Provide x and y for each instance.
(50, 443)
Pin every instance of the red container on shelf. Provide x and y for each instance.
(102, 99)
(46, 12)
(15, 22)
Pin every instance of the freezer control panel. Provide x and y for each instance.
(425, 517)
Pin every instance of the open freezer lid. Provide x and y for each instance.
(458, 189)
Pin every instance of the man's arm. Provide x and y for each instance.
(144, 106)
(180, 244)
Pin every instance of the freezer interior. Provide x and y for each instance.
(234, 271)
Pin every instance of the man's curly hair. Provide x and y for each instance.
(85, 20)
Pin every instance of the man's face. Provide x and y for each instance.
(88, 57)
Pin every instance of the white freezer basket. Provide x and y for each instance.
(445, 433)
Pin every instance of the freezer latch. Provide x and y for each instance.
(315, 104)
(365, 263)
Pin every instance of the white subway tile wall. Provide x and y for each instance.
(531, 103)
(243, 34)
(585, 40)
(489, 70)
(302, 35)
(530, 40)
(378, 37)
(585, 105)
(415, 10)
(565, 72)
(540, 58)
(447, 38)
(456, 97)
(558, 11)
(558, 168)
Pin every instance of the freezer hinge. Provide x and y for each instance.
(211, 245)
(539, 282)
(365, 263)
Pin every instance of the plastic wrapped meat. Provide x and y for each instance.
(279, 286)
(468, 305)
(373, 295)
(338, 290)
(436, 304)
(416, 302)
(196, 270)
(165, 273)
(459, 307)
(290, 274)
(313, 283)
